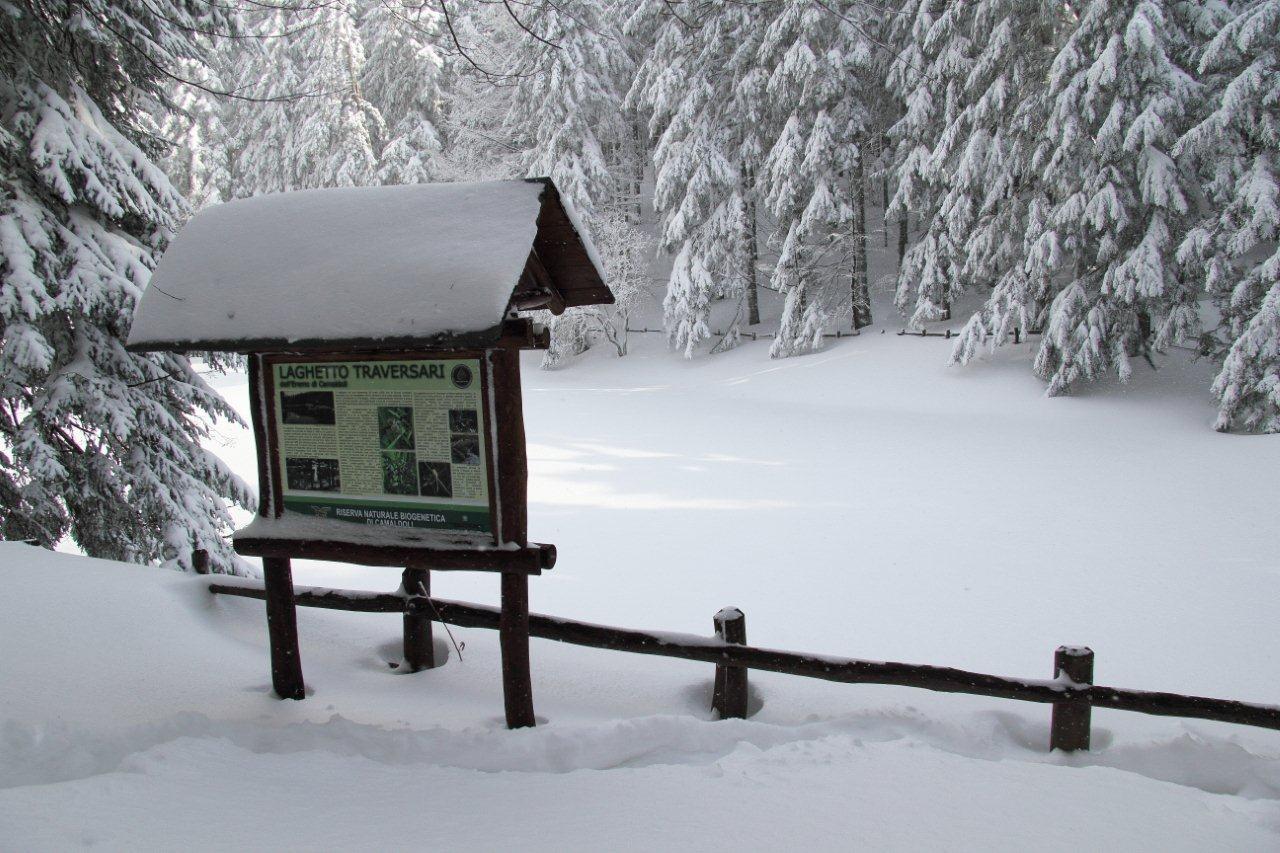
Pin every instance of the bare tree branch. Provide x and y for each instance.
(222, 93)
(512, 12)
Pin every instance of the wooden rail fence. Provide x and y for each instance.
(1018, 334)
(744, 333)
(1071, 691)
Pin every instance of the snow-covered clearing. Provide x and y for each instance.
(862, 501)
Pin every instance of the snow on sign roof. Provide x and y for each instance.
(368, 268)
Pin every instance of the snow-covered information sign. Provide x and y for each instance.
(383, 442)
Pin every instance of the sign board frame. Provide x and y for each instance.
(487, 429)
(505, 548)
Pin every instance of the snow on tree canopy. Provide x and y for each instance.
(426, 264)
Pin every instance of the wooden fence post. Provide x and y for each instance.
(729, 698)
(419, 648)
(1069, 730)
(282, 628)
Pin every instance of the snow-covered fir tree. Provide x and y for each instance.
(1236, 248)
(256, 133)
(95, 442)
(1105, 241)
(566, 113)
(817, 59)
(566, 118)
(191, 126)
(992, 189)
(483, 58)
(402, 77)
(1248, 387)
(933, 56)
(336, 131)
(308, 123)
(703, 88)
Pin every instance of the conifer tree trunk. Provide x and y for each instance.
(884, 210)
(860, 291)
(637, 174)
(751, 255)
(902, 239)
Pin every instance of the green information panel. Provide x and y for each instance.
(393, 443)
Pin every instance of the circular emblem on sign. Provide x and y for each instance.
(461, 376)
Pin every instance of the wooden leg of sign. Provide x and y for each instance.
(513, 636)
(419, 651)
(282, 628)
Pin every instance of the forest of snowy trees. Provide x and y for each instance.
(1103, 172)
(1098, 171)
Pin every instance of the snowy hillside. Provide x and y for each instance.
(136, 710)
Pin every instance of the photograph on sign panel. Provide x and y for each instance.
(463, 420)
(312, 475)
(399, 474)
(465, 449)
(436, 479)
(307, 408)
(395, 427)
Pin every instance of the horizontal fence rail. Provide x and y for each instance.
(1062, 691)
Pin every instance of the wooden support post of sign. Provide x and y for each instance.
(512, 461)
(419, 647)
(729, 698)
(513, 635)
(282, 629)
(277, 574)
(513, 488)
(1069, 730)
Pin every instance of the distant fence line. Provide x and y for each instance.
(1018, 334)
(752, 335)
(1071, 691)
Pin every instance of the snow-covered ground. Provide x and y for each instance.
(862, 501)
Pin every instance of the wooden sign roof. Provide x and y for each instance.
(426, 265)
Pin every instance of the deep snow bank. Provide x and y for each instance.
(136, 713)
(863, 501)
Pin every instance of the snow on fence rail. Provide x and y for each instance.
(1071, 693)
